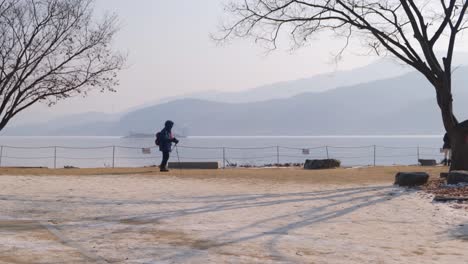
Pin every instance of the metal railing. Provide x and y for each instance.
(127, 156)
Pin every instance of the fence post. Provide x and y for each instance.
(328, 154)
(278, 155)
(55, 157)
(113, 156)
(1, 155)
(375, 155)
(418, 156)
(224, 157)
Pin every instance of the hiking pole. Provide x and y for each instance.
(178, 158)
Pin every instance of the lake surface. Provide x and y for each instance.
(85, 152)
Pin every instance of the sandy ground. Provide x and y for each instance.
(238, 216)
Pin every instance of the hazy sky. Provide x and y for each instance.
(170, 53)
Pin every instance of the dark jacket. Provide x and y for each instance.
(165, 140)
(447, 144)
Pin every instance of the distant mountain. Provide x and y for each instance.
(35, 121)
(384, 68)
(400, 105)
(89, 123)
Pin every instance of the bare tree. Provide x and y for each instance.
(410, 30)
(51, 50)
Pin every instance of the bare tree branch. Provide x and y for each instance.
(407, 29)
(52, 50)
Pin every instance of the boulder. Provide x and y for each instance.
(456, 177)
(411, 178)
(428, 162)
(322, 164)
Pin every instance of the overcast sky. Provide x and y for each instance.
(170, 53)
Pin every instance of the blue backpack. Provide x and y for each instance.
(158, 139)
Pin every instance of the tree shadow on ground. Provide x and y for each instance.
(460, 232)
(331, 204)
(338, 203)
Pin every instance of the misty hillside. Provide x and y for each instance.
(401, 105)
(384, 68)
(97, 123)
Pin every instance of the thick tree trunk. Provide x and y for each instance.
(459, 144)
(458, 132)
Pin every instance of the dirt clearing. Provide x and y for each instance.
(232, 216)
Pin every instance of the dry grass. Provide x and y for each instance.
(335, 176)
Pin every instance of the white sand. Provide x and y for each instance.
(141, 219)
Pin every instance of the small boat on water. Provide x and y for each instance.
(139, 135)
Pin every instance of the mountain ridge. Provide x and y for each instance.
(378, 107)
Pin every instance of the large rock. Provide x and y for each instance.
(411, 179)
(444, 175)
(322, 164)
(456, 177)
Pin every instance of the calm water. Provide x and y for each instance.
(120, 152)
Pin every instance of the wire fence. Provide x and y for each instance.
(124, 156)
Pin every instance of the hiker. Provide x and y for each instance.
(164, 140)
(446, 149)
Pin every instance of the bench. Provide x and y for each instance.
(194, 165)
(428, 162)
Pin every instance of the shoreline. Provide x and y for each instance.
(254, 136)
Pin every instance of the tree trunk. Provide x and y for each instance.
(457, 132)
(459, 144)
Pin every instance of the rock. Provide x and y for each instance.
(428, 162)
(444, 175)
(411, 178)
(322, 164)
(456, 177)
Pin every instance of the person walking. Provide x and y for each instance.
(446, 149)
(166, 138)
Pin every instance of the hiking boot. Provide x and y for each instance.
(164, 170)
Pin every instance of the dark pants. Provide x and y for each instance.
(165, 159)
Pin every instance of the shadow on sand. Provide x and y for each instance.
(331, 204)
(460, 232)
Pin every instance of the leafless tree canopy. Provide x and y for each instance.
(51, 50)
(411, 30)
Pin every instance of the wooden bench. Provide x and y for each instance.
(428, 162)
(194, 165)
